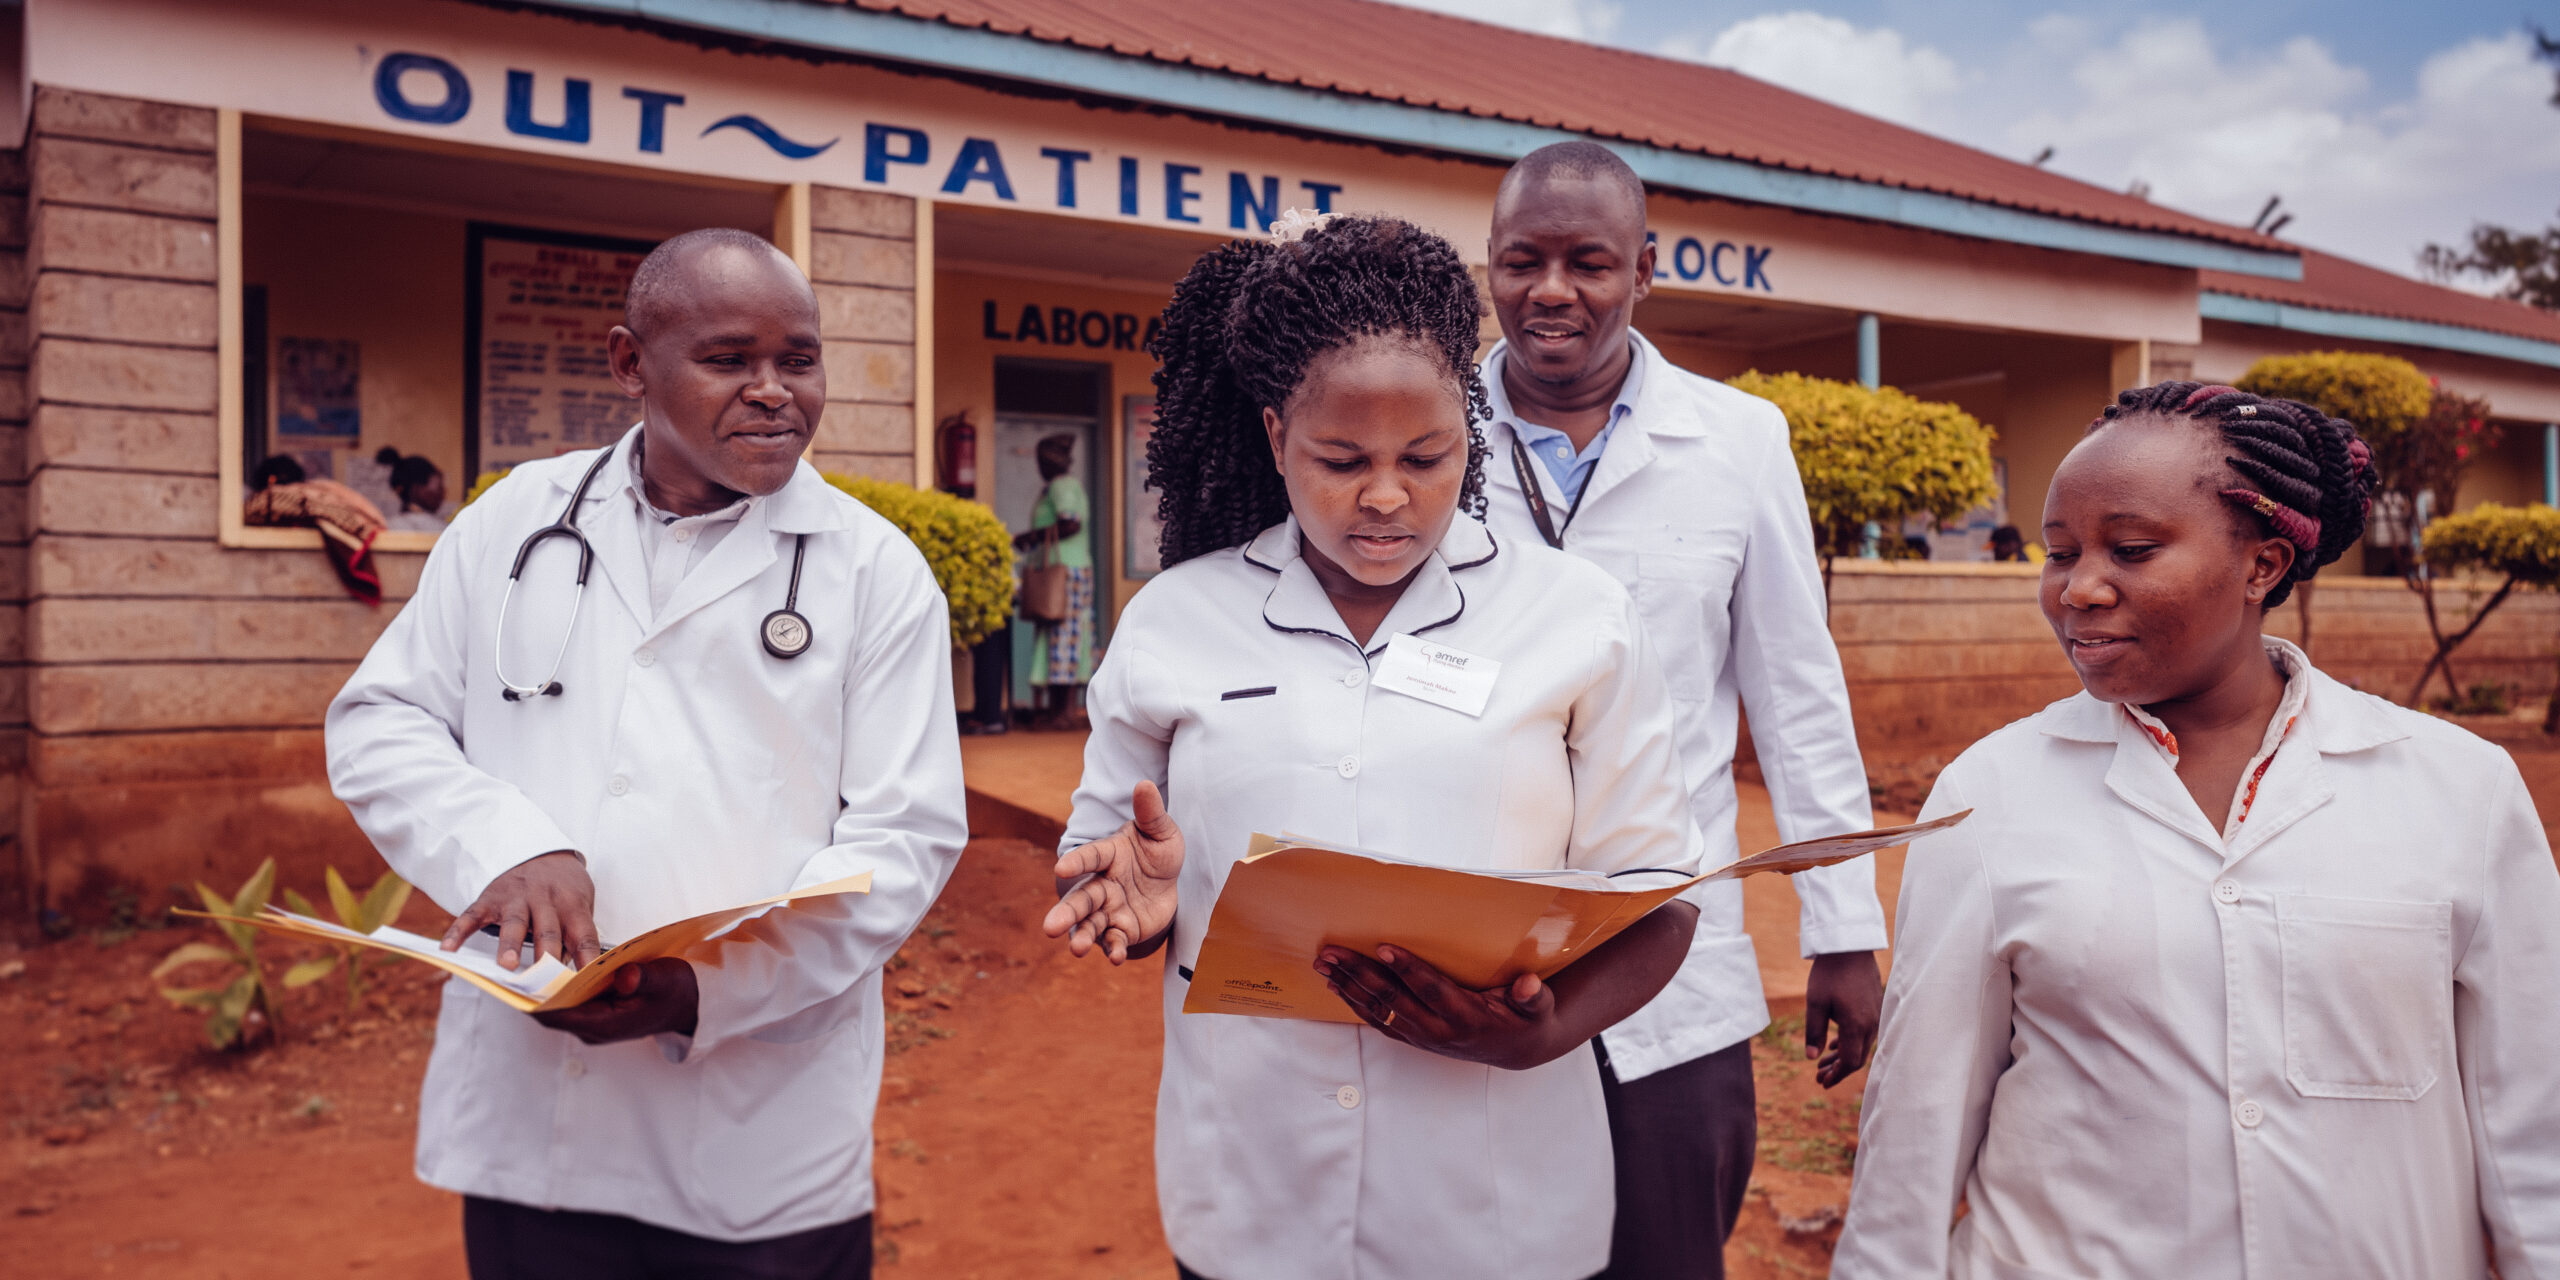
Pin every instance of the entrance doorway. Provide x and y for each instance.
(1034, 400)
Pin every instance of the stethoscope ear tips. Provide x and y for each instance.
(551, 690)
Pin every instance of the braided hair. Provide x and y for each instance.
(2304, 475)
(1242, 329)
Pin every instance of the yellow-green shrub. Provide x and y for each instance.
(2382, 395)
(971, 554)
(1876, 454)
(2521, 545)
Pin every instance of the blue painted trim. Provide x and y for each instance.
(1870, 350)
(846, 29)
(2349, 324)
(2551, 464)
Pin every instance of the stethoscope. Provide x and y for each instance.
(785, 633)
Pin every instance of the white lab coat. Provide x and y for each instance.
(1310, 1151)
(1696, 506)
(2324, 1049)
(694, 771)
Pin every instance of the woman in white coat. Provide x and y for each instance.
(2235, 972)
(1315, 443)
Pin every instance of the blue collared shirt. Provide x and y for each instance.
(1554, 449)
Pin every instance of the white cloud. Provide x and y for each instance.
(2210, 128)
(1873, 70)
(1591, 20)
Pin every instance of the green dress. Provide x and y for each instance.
(1063, 651)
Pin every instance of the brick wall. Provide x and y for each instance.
(862, 258)
(1938, 656)
(174, 687)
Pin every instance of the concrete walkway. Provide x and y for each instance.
(1022, 784)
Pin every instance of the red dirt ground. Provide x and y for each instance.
(1013, 1135)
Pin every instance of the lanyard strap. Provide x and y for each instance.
(1538, 509)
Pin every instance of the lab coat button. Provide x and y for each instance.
(645, 658)
(1351, 679)
(2226, 892)
(619, 785)
(1348, 1095)
(1349, 767)
(684, 535)
(2249, 1114)
(576, 1067)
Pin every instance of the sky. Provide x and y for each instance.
(2383, 126)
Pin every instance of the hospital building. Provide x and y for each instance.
(237, 229)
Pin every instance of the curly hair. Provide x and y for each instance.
(2306, 477)
(1242, 329)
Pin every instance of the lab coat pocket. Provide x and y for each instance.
(2368, 995)
(1684, 598)
(773, 1116)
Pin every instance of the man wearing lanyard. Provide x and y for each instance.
(1685, 490)
(692, 747)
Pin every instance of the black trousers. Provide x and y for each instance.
(991, 674)
(504, 1241)
(1684, 1139)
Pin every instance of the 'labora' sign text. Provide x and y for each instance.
(423, 89)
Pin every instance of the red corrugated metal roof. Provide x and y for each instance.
(1368, 49)
(2332, 283)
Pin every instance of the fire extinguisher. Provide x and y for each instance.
(955, 456)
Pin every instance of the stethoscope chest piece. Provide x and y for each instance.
(786, 633)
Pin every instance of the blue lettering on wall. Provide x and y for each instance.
(1715, 261)
(1241, 202)
(772, 137)
(1322, 193)
(1067, 162)
(978, 161)
(1689, 258)
(653, 115)
(1755, 268)
(575, 115)
(1178, 194)
(397, 103)
(877, 157)
(1128, 186)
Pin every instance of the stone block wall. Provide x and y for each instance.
(1938, 656)
(862, 258)
(168, 690)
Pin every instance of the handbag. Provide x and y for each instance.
(1044, 585)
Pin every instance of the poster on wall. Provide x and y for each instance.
(1146, 531)
(317, 382)
(540, 305)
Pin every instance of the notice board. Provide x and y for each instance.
(538, 308)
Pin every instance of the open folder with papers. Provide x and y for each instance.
(545, 984)
(1290, 897)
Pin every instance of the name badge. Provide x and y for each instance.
(1437, 674)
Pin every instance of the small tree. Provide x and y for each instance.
(1875, 454)
(971, 554)
(2520, 545)
(2384, 397)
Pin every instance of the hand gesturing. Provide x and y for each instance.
(1126, 895)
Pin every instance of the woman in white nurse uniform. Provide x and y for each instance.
(1315, 443)
(2235, 971)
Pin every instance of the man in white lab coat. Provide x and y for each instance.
(1685, 489)
(684, 751)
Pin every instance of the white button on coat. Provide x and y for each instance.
(1448, 1168)
(2226, 892)
(2376, 1014)
(1696, 506)
(765, 775)
(645, 658)
(620, 785)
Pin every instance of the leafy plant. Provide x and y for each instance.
(971, 554)
(379, 906)
(239, 1011)
(2382, 395)
(2519, 544)
(1876, 454)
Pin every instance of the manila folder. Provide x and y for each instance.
(546, 984)
(1288, 898)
